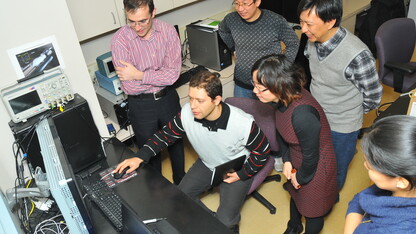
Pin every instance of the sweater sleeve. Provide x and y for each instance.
(225, 33)
(168, 135)
(305, 120)
(259, 153)
(290, 39)
(363, 74)
(354, 205)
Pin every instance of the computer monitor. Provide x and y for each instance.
(62, 180)
(132, 223)
(105, 65)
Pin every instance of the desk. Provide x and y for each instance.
(151, 196)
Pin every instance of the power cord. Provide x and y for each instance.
(20, 154)
(52, 226)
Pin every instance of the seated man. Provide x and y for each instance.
(218, 133)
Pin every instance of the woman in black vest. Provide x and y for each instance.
(305, 141)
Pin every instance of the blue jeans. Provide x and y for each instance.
(344, 147)
(242, 92)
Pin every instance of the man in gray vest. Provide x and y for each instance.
(344, 76)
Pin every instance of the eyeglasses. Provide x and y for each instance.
(257, 87)
(138, 23)
(244, 5)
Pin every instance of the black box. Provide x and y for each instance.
(76, 129)
(206, 47)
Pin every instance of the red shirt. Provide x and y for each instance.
(159, 57)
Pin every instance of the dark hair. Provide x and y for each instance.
(132, 5)
(208, 81)
(327, 10)
(390, 147)
(280, 76)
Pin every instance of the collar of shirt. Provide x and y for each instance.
(279, 106)
(156, 28)
(255, 21)
(325, 48)
(220, 123)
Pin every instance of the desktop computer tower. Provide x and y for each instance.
(76, 129)
(206, 47)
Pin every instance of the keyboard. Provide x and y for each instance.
(186, 76)
(107, 200)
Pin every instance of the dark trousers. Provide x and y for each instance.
(313, 225)
(232, 196)
(147, 116)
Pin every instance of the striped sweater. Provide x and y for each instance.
(254, 143)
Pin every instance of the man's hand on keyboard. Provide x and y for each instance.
(133, 163)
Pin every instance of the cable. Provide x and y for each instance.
(45, 225)
(23, 211)
(382, 105)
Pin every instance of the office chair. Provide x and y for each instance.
(265, 119)
(395, 43)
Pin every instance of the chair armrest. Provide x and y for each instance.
(404, 67)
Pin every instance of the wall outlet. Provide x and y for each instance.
(91, 70)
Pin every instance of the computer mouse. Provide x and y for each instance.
(121, 174)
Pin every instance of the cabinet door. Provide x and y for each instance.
(93, 17)
(178, 3)
(163, 5)
(120, 10)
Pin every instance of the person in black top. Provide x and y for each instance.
(304, 141)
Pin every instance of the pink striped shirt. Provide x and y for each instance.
(159, 57)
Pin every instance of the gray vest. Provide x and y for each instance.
(215, 148)
(340, 99)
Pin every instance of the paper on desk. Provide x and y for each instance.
(210, 23)
(107, 176)
(411, 110)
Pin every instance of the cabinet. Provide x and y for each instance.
(93, 17)
(163, 5)
(178, 3)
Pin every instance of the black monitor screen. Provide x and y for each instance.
(110, 66)
(25, 102)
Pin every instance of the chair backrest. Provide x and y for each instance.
(395, 41)
(263, 115)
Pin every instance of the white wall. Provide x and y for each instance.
(181, 17)
(412, 10)
(22, 22)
